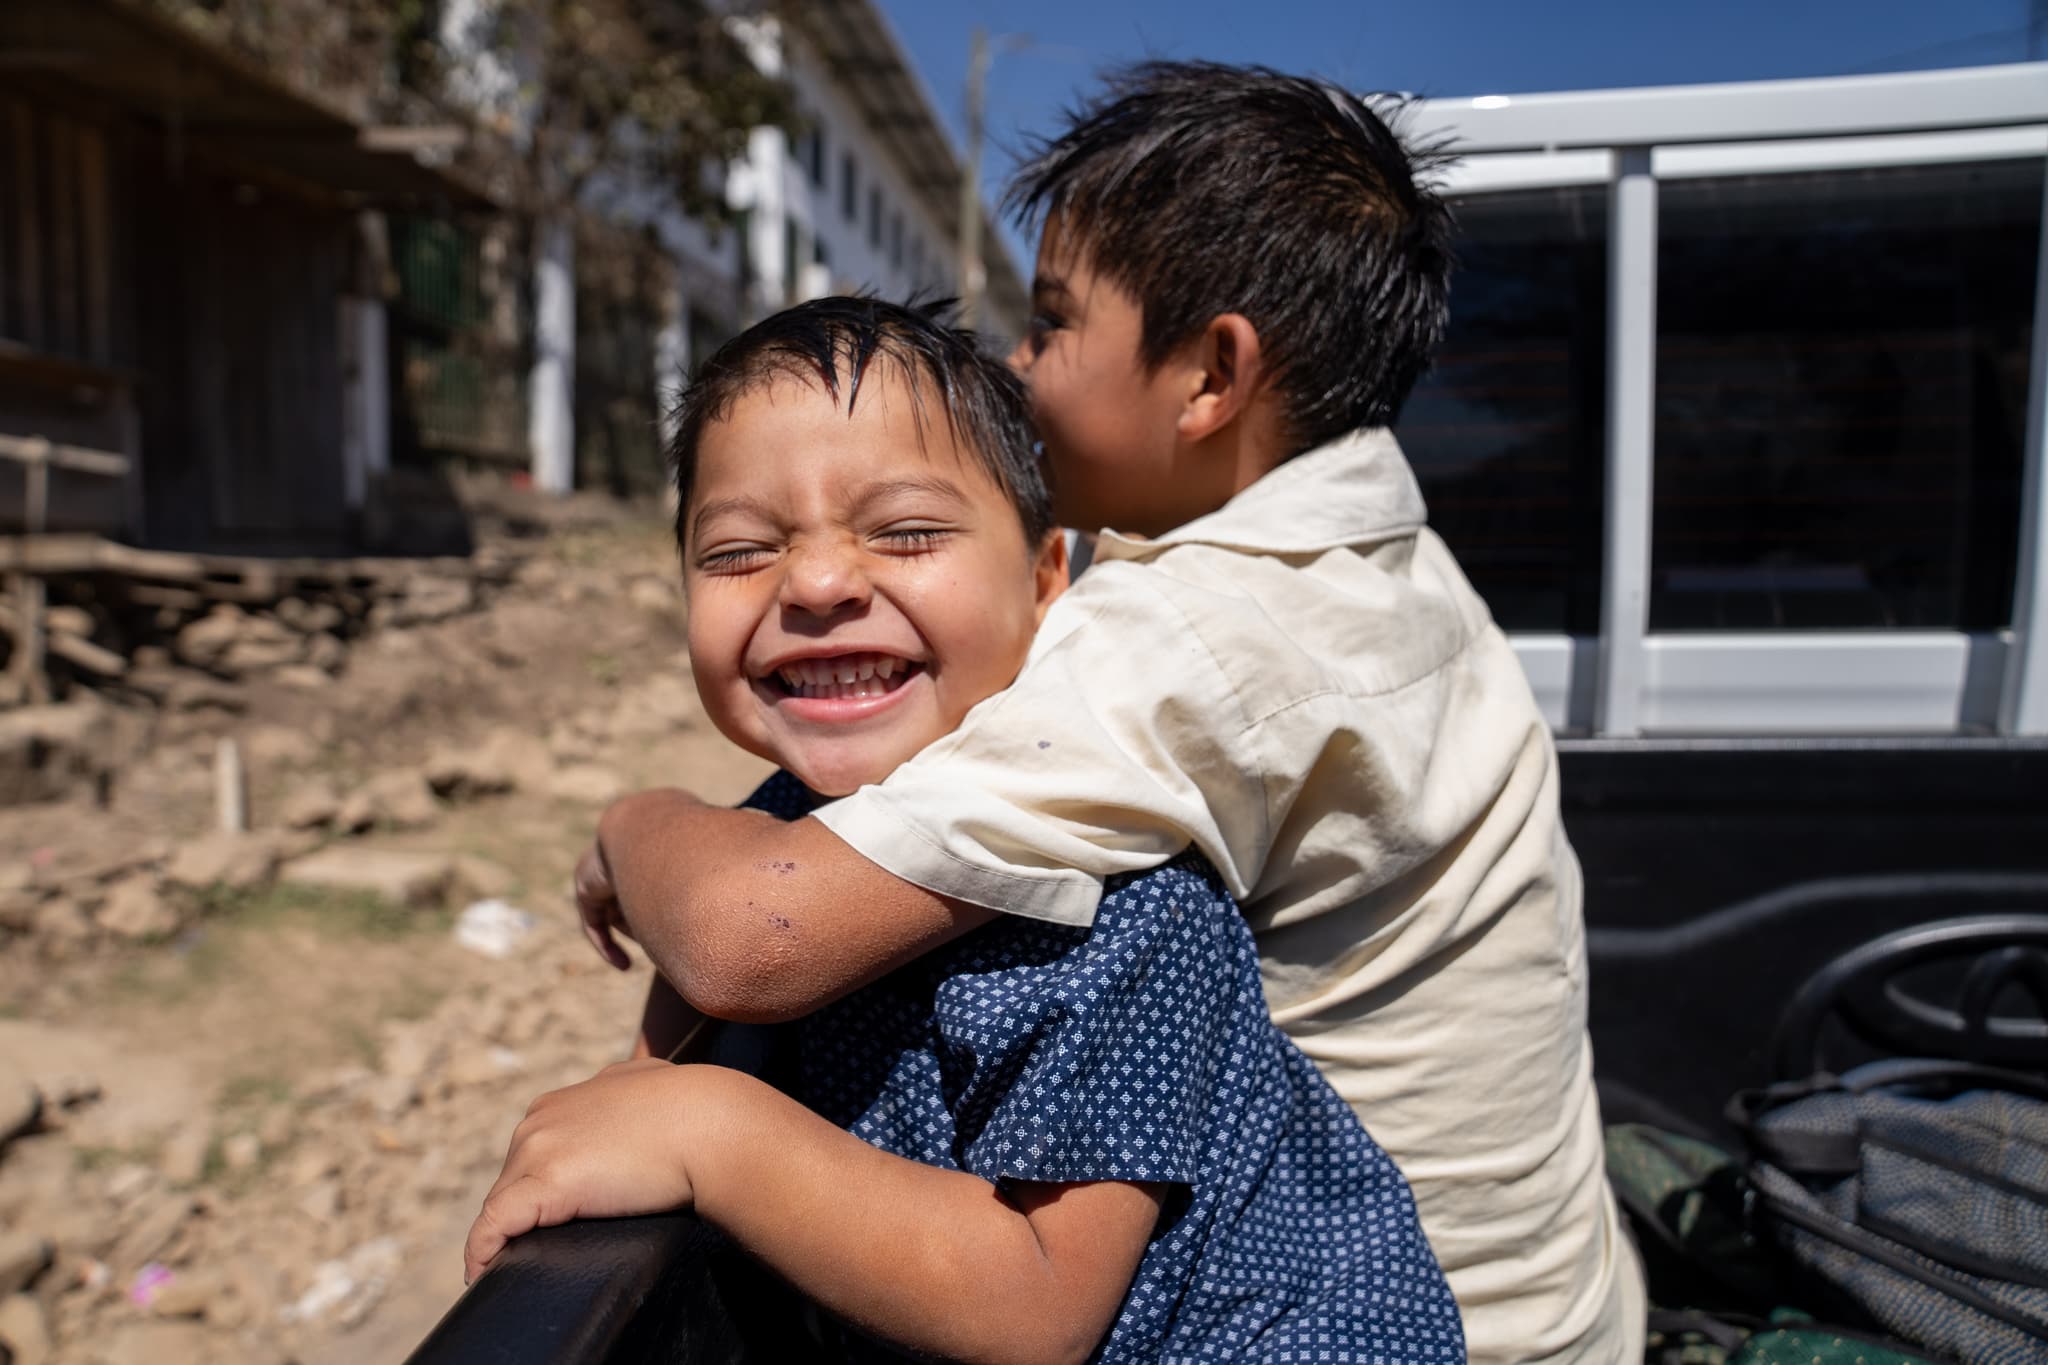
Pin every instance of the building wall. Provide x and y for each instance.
(910, 250)
(805, 235)
(66, 326)
(796, 230)
(157, 303)
(239, 305)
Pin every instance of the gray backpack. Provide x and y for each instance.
(1919, 1192)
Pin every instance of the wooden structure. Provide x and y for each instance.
(166, 588)
(23, 617)
(180, 271)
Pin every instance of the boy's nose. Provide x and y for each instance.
(1019, 359)
(822, 582)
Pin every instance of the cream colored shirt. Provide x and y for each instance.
(1304, 686)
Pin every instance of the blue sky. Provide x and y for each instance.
(1443, 47)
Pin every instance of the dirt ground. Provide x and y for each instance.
(267, 1098)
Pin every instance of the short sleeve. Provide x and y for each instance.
(1112, 751)
(1100, 1064)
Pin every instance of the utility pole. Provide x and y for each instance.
(972, 276)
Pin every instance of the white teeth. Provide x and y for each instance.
(848, 675)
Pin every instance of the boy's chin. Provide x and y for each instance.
(836, 775)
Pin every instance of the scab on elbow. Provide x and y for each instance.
(750, 974)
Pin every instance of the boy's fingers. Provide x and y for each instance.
(478, 1251)
(592, 880)
(598, 906)
(508, 1211)
(600, 936)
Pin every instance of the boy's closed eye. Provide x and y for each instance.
(729, 558)
(917, 539)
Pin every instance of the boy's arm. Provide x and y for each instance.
(760, 920)
(1083, 768)
(940, 1261)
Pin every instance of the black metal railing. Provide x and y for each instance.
(624, 1289)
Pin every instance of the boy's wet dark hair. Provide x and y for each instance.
(833, 341)
(1204, 189)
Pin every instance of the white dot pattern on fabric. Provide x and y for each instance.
(1140, 1049)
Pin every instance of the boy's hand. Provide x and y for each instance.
(608, 1147)
(597, 902)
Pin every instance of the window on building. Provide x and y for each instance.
(813, 152)
(1841, 394)
(875, 216)
(896, 240)
(1506, 433)
(819, 256)
(792, 256)
(743, 229)
(849, 188)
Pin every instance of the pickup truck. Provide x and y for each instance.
(1756, 910)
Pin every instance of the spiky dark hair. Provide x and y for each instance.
(1203, 189)
(833, 342)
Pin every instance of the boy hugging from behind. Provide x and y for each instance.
(1039, 1142)
(1272, 661)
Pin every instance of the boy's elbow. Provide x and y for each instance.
(1048, 1338)
(744, 978)
(1068, 1347)
(1073, 1331)
(737, 1002)
(1002, 1311)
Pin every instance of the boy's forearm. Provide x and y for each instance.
(760, 920)
(935, 1260)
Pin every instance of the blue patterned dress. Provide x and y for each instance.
(1141, 1050)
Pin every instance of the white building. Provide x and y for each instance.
(868, 195)
(865, 198)
(1739, 426)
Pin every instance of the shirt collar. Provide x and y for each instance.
(1355, 490)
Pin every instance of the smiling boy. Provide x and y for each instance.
(1272, 660)
(781, 665)
(1041, 1143)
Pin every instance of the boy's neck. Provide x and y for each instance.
(1255, 457)
(1233, 459)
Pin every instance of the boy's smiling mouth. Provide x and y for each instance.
(864, 676)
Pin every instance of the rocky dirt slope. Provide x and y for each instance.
(252, 1087)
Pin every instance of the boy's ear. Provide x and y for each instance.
(1226, 371)
(1049, 574)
